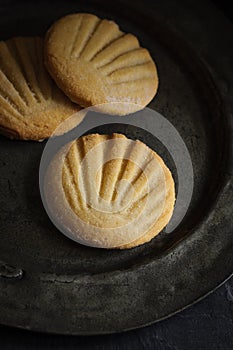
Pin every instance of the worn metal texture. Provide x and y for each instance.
(62, 287)
(206, 325)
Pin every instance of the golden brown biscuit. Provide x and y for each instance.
(94, 62)
(31, 105)
(108, 191)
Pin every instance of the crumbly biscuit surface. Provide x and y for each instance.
(94, 63)
(121, 204)
(31, 105)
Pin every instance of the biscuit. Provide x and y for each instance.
(94, 63)
(31, 105)
(108, 191)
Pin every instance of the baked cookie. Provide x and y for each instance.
(108, 191)
(94, 63)
(31, 105)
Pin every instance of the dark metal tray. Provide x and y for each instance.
(55, 285)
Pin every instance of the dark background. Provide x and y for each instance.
(206, 325)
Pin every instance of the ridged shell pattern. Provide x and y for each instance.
(120, 70)
(31, 105)
(117, 188)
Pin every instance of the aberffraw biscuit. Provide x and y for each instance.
(94, 63)
(31, 105)
(108, 191)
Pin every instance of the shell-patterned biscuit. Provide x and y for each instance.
(94, 63)
(31, 105)
(108, 191)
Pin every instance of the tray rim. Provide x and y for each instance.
(228, 177)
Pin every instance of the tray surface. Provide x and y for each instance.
(62, 287)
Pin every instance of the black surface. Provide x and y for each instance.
(72, 289)
(206, 325)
